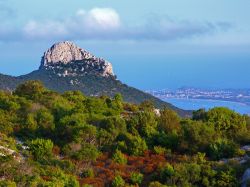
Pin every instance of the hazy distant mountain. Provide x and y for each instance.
(65, 66)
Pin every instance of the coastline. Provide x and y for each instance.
(195, 104)
(207, 99)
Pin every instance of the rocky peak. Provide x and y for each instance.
(67, 59)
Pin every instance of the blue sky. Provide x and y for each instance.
(152, 44)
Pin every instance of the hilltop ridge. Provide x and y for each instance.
(67, 59)
(65, 66)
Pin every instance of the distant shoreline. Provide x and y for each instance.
(239, 96)
(195, 104)
(205, 99)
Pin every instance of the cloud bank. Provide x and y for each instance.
(106, 24)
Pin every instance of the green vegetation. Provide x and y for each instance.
(119, 158)
(88, 84)
(136, 178)
(69, 139)
(118, 182)
(41, 148)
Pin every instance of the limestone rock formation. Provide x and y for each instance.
(67, 59)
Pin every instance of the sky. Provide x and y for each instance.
(152, 44)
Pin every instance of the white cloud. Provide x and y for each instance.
(83, 24)
(106, 24)
(49, 29)
(103, 18)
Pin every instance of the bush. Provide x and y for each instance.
(45, 120)
(226, 121)
(30, 89)
(197, 136)
(88, 173)
(88, 153)
(119, 157)
(137, 146)
(160, 150)
(166, 172)
(169, 121)
(41, 148)
(169, 141)
(7, 184)
(136, 178)
(156, 184)
(222, 148)
(118, 182)
(87, 185)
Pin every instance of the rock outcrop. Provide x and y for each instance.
(66, 67)
(67, 59)
(246, 178)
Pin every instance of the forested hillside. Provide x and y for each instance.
(67, 67)
(68, 139)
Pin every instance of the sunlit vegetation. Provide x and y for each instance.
(52, 139)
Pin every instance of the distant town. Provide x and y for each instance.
(234, 95)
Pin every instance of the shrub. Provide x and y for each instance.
(7, 184)
(169, 141)
(119, 157)
(87, 185)
(227, 178)
(222, 148)
(41, 148)
(137, 146)
(88, 153)
(159, 150)
(166, 172)
(227, 121)
(156, 184)
(88, 173)
(169, 121)
(30, 89)
(118, 182)
(45, 120)
(136, 178)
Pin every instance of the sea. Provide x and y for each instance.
(195, 104)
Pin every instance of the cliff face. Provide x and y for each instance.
(67, 59)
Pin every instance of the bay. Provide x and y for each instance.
(195, 104)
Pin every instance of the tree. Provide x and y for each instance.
(137, 146)
(117, 103)
(45, 121)
(134, 145)
(200, 114)
(118, 182)
(5, 183)
(226, 178)
(119, 157)
(136, 178)
(197, 136)
(146, 124)
(169, 121)
(30, 89)
(147, 105)
(88, 152)
(6, 126)
(41, 148)
(166, 172)
(114, 125)
(222, 148)
(226, 121)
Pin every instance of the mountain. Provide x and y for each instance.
(66, 66)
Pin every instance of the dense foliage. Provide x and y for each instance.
(52, 139)
(88, 84)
